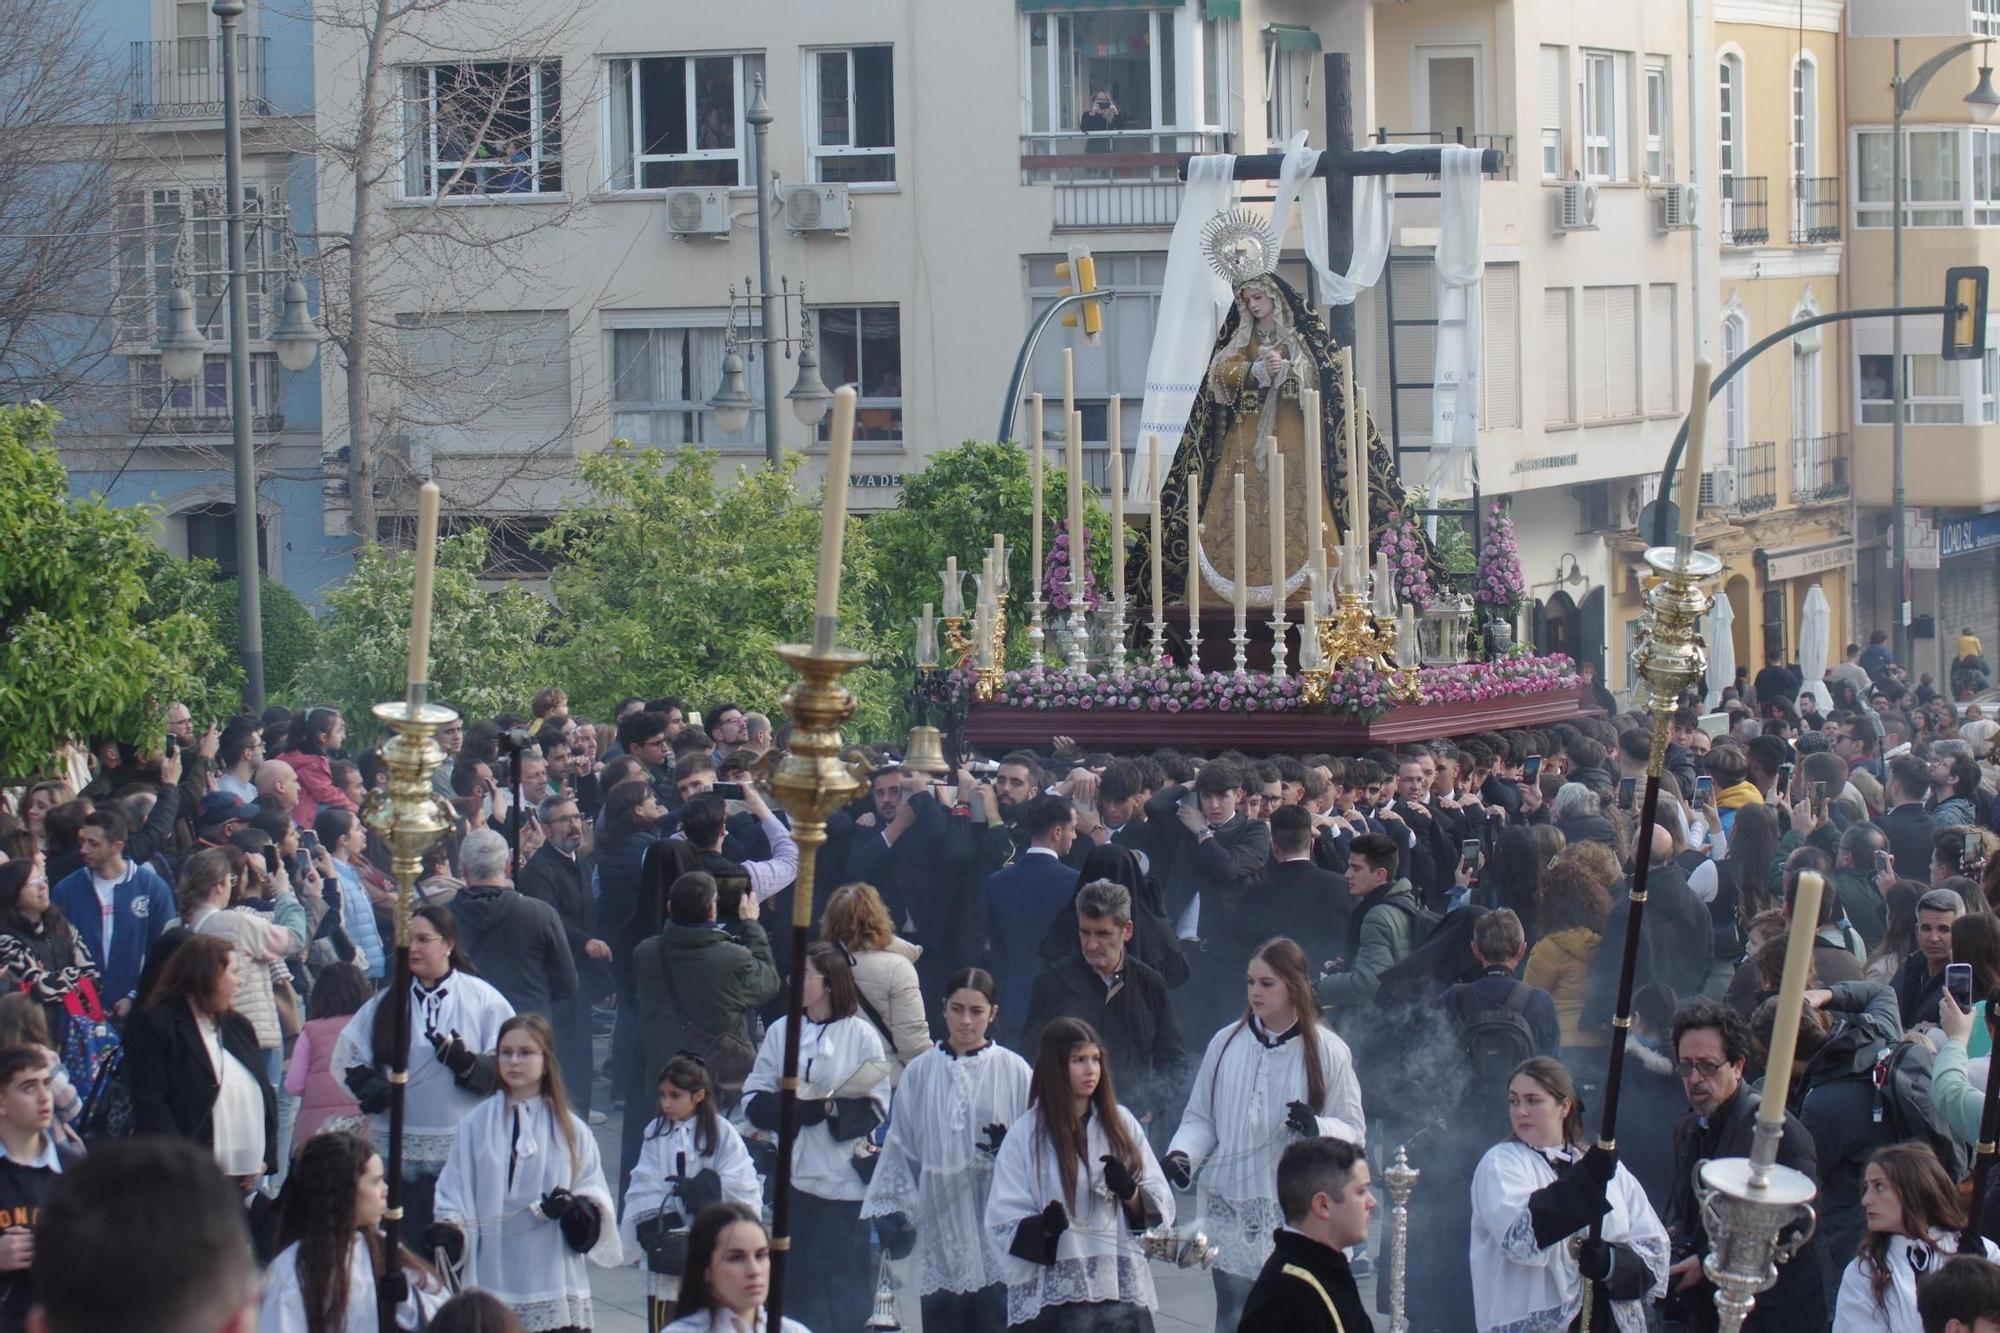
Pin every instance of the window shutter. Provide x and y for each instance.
(1621, 351)
(1555, 352)
(1663, 348)
(1591, 384)
(488, 382)
(1552, 88)
(1500, 350)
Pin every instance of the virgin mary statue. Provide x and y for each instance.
(1271, 346)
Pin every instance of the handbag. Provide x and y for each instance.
(88, 1037)
(729, 1057)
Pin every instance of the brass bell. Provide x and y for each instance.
(925, 752)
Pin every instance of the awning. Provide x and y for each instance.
(1038, 6)
(1291, 37)
(1223, 9)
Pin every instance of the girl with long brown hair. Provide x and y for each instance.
(522, 1198)
(1073, 1186)
(1274, 1075)
(1914, 1218)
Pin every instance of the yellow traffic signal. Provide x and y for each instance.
(1079, 275)
(1965, 329)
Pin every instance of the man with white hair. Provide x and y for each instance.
(515, 941)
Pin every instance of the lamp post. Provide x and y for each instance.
(759, 118)
(249, 595)
(809, 396)
(1907, 90)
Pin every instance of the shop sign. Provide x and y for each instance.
(1963, 536)
(1805, 560)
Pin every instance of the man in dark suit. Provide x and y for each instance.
(1210, 852)
(1906, 823)
(1022, 898)
(1294, 897)
(556, 875)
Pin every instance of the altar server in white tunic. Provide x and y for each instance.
(843, 1096)
(1532, 1193)
(728, 1275)
(1275, 1075)
(1074, 1187)
(1914, 1220)
(951, 1116)
(522, 1200)
(324, 1278)
(690, 1158)
(455, 1022)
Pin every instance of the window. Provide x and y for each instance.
(1932, 390)
(1500, 347)
(1605, 76)
(1986, 18)
(157, 403)
(1289, 56)
(678, 120)
(152, 224)
(1989, 387)
(1735, 403)
(1128, 54)
(1449, 96)
(1805, 117)
(1659, 120)
(1558, 407)
(1218, 45)
(1729, 110)
(1985, 177)
(1607, 354)
(1663, 347)
(482, 128)
(663, 375)
(853, 107)
(1807, 390)
(863, 346)
(211, 535)
(1555, 109)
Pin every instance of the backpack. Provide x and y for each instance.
(1493, 1038)
(1902, 1078)
(108, 1113)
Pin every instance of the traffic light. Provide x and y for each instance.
(1079, 274)
(1965, 331)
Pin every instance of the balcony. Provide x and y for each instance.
(1820, 469)
(1757, 477)
(1816, 210)
(1746, 210)
(181, 78)
(1076, 159)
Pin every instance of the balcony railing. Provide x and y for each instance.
(1117, 204)
(1815, 210)
(181, 78)
(1746, 210)
(1074, 158)
(1820, 468)
(1502, 143)
(1757, 477)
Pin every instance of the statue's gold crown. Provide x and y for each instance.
(1240, 245)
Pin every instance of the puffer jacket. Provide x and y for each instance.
(1560, 964)
(887, 980)
(1379, 936)
(315, 786)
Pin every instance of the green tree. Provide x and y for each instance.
(187, 587)
(483, 644)
(672, 580)
(82, 651)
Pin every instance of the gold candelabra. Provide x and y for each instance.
(954, 638)
(1354, 635)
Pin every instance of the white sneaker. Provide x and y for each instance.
(597, 1117)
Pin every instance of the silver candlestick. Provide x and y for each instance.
(1279, 628)
(1746, 1204)
(1400, 1179)
(1037, 637)
(1118, 639)
(1079, 633)
(1241, 638)
(1159, 637)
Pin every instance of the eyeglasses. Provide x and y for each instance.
(1706, 1068)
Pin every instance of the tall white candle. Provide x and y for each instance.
(999, 563)
(425, 581)
(1798, 963)
(1242, 539)
(1690, 479)
(1358, 495)
(1315, 481)
(1078, 547)
(1277, 530)
(926, 639)
(1069, 382)
(1117, 514)
(1035, 481)
(833, 517)
(1356, 472)
(1153, 513)
(1194, 556)
(954, 595)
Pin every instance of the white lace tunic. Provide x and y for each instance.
(1519, 1287)
(844, 1058)
(283, 1307)
(433, 1103)
(1909, 1258)
(1098, 1258)
(509, 1251)
(669, 1150)
(1234, 1130)
(931, 1169)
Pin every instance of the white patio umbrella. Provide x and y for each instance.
(1815, 635)
(1721, 646)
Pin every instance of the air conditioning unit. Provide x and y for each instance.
(698, 213)
(1676, 203)
(818, 208)
(1576, 206)
(1718, 488)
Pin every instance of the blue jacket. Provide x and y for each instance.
(142, 907)
(1021, 900)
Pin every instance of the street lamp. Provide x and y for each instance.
(732, 402)
(809, 396)
(1985, 101)
(183, 345)
(297, 336)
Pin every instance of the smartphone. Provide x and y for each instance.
(270, 858)
(1785, 777)
(1819, 799)
(1531, 768)
(728, 791)
(309, 840)
(173, 746)
(1958, 981)
(1468, 852)
(1627, 788)
(1885, 864)
(1968, 855)
(1704, 787)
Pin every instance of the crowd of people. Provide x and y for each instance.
(1057, 1005)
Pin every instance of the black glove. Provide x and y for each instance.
(454, 1054)
(1178, 1170)
(1567, 1204)
(556, 1204)
(853, 1118)
(444, 1236)
(394, 1285)
(1615, 1267)
(1118, 1178)
(698, 1191)
(996, 1134)
(1035, 1237)
(370, 1087)
(1594, 1260)
(812, 1113)
(1601, 1162)
(1299, 1118)
(761, 1109)
(898, 1236)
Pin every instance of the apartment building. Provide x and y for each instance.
(1952, 415)
(139, 440)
